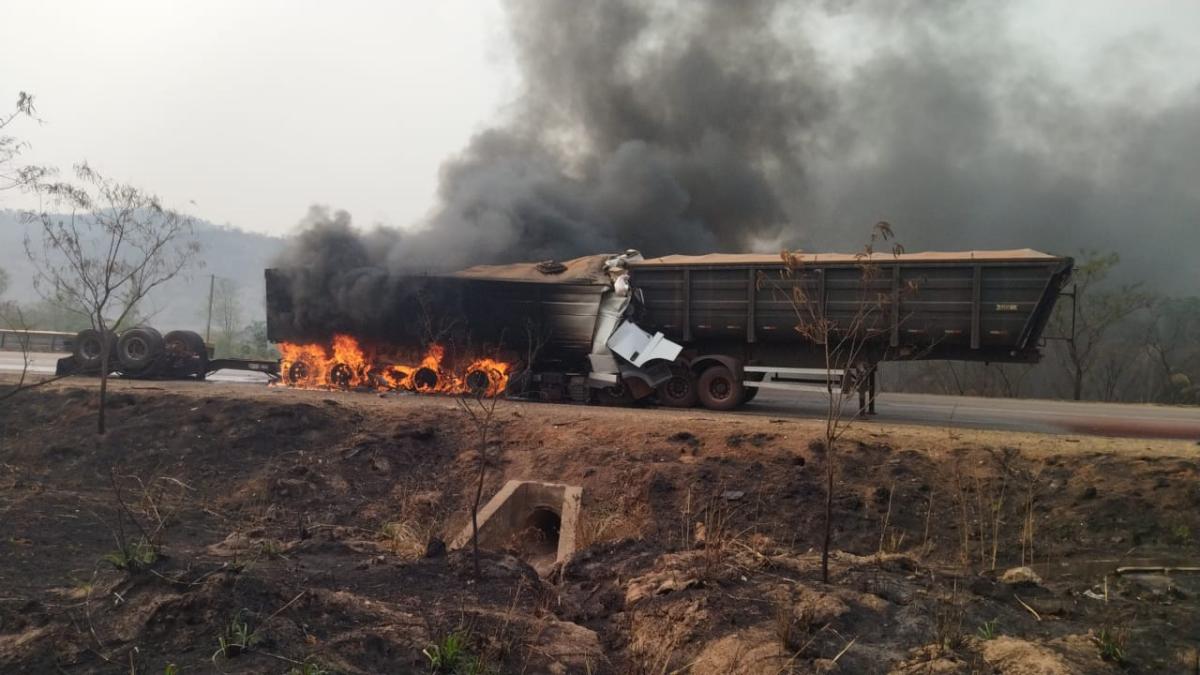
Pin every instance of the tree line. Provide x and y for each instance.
(1105, 342)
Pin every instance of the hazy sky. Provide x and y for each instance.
(254, 110)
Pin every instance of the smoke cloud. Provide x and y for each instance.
(688, 127)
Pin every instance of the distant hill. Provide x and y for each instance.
(224, 251)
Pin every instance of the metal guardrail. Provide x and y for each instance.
(36, 341)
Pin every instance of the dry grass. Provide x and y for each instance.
(610, 521)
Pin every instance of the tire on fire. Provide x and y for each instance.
(425, 379)
(341, 375)
(478, 381)
(297, 372)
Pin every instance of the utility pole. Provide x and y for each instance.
(212, 282)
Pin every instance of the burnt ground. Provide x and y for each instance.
(293, 527)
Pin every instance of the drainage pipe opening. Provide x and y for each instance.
(539, 535)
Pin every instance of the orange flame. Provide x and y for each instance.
(345, 364)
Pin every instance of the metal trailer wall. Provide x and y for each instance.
(493, 312)
(990, 310)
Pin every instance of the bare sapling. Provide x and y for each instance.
(12, 175)
(100, 248)
(847, 342)
(481, 412)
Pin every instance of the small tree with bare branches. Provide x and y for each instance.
(1095, 309)
(482, 414)
(844, 341)
(227, 310)
(13, 176)
(99, 247)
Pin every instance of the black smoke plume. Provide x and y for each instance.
(708, 125)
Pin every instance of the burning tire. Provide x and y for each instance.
(478, 382)
(298, 372)
(425, 379)
(341, 376)
(679, 391)
(139, 349)
(719, 389)
(89, 348)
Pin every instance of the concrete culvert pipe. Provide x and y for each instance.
(539, 536)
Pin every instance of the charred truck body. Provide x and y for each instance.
(710, 330)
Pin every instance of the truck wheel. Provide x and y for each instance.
(341, 375)
(297, 373)
(184, 343)
(139, 348)
(718, 389)
(425, 379)
(614, 395)
(186, 349)
(680, 390)
(89, 347)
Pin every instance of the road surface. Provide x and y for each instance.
(1036, 415)
(41, 364)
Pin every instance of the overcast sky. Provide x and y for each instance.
(254, 110)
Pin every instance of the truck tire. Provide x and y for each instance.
(186, 353)
(89, 348)
(184, 343)
(615, 395)
(718, 389)
(139, 349)
(680, 391)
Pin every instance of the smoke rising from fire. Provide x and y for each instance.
(685, 127)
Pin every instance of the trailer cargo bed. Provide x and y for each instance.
(975, 305)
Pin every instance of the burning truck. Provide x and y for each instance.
(710, 330)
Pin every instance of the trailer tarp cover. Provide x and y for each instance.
(587, 270)
(1020, 254)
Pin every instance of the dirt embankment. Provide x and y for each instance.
(236, 529)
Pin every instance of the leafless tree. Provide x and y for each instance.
(844, 342)
(11, 175)
(227, 308)
(1085, 323)
(99, 247)
(1172, 344)
(481, 412)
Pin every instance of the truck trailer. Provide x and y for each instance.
(707, 330)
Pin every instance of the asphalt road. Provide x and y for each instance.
(1037, 415)
(43, 364)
